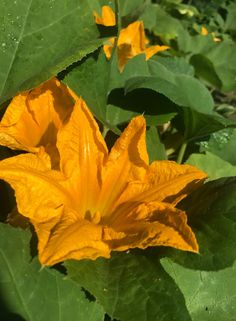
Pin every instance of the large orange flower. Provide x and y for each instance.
(97, 201)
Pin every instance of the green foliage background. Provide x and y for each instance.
(188, 97)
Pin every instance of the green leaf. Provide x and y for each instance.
(194, 125)
(205, 69)
(213, 165)
(129, 7)
(39, 38)
(100, 84)
(222, 144)
(131, 287)
(193, 101)
(194, 44)
(177, 65)
(36, 293)
(182, 89)
(160, 22)
(230, 23)
(207, 280)
(224, 61)
(156, 149)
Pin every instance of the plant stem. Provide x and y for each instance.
(118, 15)
(181, 153)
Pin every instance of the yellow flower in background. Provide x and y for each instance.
(97, 201)
(204, 32)
(131, 40)
(107, 18)
(32, 119)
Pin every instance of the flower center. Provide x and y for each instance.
(93, 217)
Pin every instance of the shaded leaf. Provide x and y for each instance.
(131, 287)
(207, 280)
(156, 149)
(37, 293)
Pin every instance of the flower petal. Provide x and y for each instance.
(79, 240)
(149, 52)
(127, 161)
(153, 224)
(108, 47)
(82, 154)
(130, 43)
(40, 192)
(33, 118)
(165, 181)
(108, 17)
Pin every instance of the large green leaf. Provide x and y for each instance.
(194, 125)
(190, 45)
(160, 22)
(130, 7)
(183, 90)
(193, 101)
(131, 287)
(36, 293)
(101, 84)
(208, 280)
(218, 65)
(39, 38)
(230, 23)
(213, 165)
(222, 144)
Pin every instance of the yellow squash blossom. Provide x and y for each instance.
(107, 18)
(204, 32)
(131, 40)
(97, 201)
(32, 119)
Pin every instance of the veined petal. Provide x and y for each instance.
(127, 161)
(33, 118)
(40, 193)
(82, 154)
(107, 19)
(80, 240)
(149, 52)
(153, 224)
(165, 181)
(131, 42)
(108, 47)
(134, 35)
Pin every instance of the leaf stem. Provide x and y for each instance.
(105, 131)
(181, 153)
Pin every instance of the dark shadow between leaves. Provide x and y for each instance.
(141, 101)
(5, 313)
